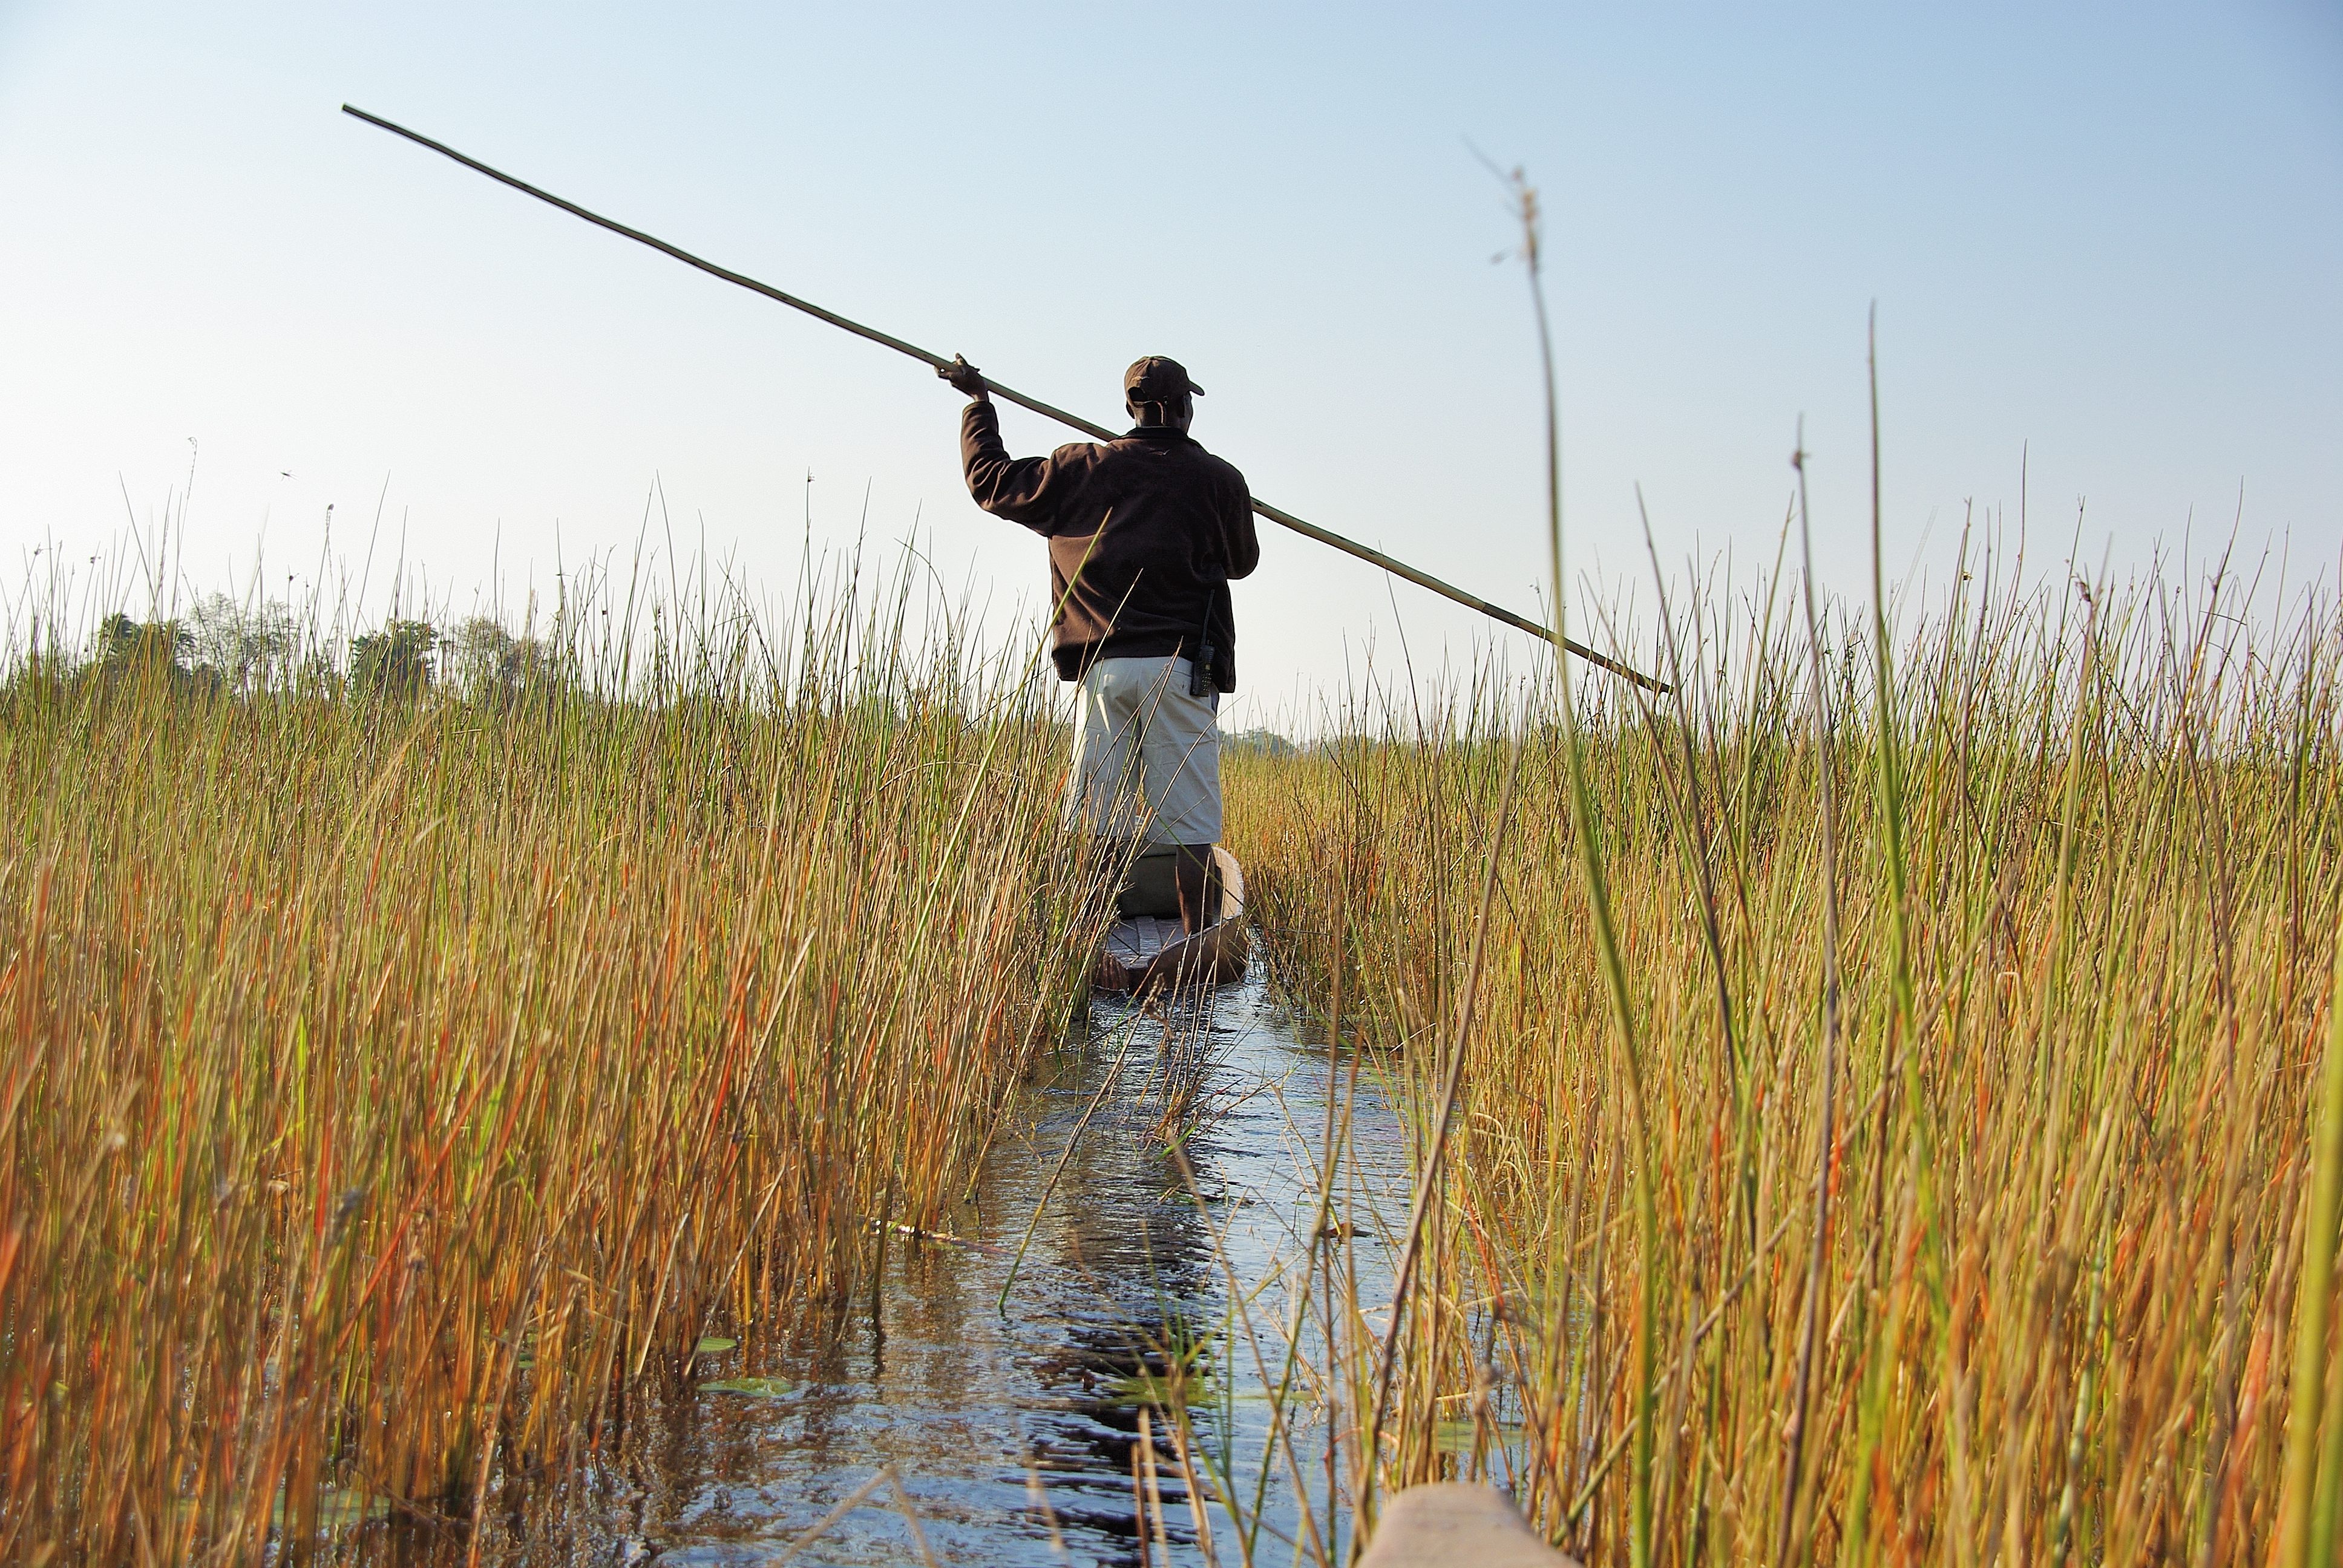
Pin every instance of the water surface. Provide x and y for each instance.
(1013, 1422)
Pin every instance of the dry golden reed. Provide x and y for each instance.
(395, 1088)
(2067, 1185)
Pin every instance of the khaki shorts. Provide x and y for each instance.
(1147, 756)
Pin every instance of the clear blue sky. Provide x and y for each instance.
(2114, 232)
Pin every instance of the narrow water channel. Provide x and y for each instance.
(1014, 1428)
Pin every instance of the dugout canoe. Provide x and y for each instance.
(1444, 1523)
(1145, 949)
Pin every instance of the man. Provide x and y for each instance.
(1145, 533)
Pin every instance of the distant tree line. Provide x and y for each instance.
(1258, 742)
(221, 648)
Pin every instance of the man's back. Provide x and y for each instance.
(1145, 533)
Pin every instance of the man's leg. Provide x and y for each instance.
(1200, 887)
(1103, 801)
(1179, 760)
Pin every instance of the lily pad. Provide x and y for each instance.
(1135, 1389)
(751, 1387)
(714, 1345)
(1457, 1436)
(339, 1510)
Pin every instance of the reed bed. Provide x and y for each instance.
(1939, 1176)
(397, 1089)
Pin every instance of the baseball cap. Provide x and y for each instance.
(1156, 379)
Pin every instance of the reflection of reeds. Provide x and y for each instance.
(394, 1090)
(2086, 884)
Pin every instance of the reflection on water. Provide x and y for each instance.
(1015, 1431)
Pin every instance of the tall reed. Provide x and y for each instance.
(395, 1089)
(2087, 883)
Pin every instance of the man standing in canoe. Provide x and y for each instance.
(1145, 533)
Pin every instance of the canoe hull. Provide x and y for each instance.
(1147, 952)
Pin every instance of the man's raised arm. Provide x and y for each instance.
(1016, 488)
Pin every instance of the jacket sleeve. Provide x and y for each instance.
(1240, 544)
(1020, 489)
(1241, 550)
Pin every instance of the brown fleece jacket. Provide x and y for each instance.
(1145, 532)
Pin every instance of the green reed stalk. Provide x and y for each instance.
(1587, 837)
(1888, 777)
(1827, 1093)
(2307, 1528)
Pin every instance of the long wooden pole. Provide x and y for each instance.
(1274, 514)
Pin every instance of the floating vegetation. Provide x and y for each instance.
(751, 1387)
(332, 1510)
